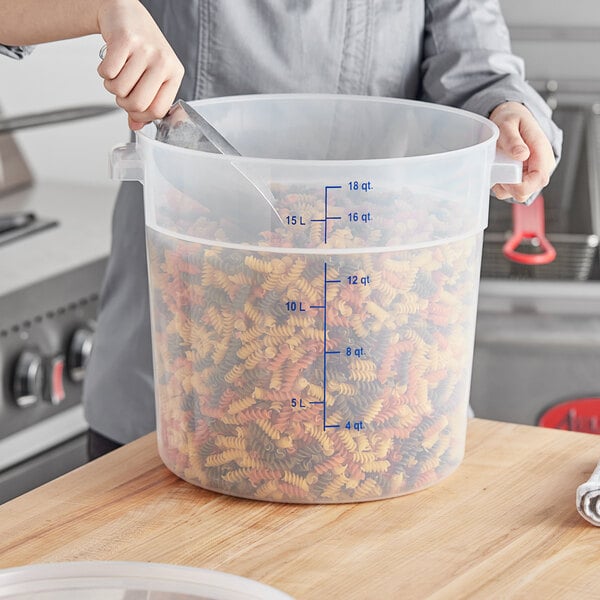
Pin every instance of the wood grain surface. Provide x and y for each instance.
(504, 525)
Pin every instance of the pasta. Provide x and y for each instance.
(240, 340)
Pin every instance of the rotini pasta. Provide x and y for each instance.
(239, 340)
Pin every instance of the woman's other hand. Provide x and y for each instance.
(522, 138)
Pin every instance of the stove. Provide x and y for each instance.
(49, 285)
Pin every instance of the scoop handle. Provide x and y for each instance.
(529, 224)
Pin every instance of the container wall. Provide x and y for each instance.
(313, 321)
(312, 377)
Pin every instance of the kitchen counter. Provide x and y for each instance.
(503, 525)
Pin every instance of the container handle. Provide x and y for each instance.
(505, 169)
(126, 164)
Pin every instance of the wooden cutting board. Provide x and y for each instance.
(503, 525)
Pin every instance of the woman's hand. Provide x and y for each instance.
(522, 138)
(139, 67)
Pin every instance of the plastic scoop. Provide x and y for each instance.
(184, 126)
(529, 232)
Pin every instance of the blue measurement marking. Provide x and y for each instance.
(325, 328)
(325, 351)
(326, 217)
(323, 306)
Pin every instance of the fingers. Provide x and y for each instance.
(113, 61)
(134, 125)
(144, 81)
(158, 106)
(127, 78)
(523, 139)
(541, 163)
(502, 193)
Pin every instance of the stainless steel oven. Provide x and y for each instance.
(51, 269)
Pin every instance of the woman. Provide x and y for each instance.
(453, 52)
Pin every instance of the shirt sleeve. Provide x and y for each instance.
(468, 62)
(17, 52)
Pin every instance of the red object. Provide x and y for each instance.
(582, 414)
(57, 391)
(528, 225)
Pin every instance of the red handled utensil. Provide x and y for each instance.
(529, 231)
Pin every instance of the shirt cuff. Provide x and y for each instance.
(17, 52)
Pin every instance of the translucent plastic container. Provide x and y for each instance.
(106, 580)
(316, 347)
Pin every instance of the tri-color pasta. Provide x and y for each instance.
(239, 376)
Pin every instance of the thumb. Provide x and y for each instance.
(134, 125)
(511, 142)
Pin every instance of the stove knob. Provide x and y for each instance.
(28, 380)
(79, 352)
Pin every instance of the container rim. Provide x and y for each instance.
(253, 160)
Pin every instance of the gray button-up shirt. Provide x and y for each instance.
(454, 52)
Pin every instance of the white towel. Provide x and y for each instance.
(588, 498)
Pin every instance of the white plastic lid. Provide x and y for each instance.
(100, 580)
